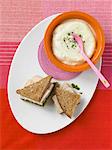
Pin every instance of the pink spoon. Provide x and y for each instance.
(98, 73)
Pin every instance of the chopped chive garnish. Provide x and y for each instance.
(75, 86)
(73, 45)
(68, 33)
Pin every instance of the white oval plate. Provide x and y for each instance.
(24, 66)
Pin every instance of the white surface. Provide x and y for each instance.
(24, 66)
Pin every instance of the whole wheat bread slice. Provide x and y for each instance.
(67, 100)
(36, 90)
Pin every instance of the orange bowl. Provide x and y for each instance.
(100, 40)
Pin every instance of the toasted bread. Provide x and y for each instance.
(34, 92)
(67, 100)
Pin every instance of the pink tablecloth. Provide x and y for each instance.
(93, 129)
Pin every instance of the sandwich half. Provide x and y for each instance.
(37, 92)
(66, 100)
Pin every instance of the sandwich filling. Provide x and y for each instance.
(58, 107)
(43, 99)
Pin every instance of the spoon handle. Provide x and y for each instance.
(98, 73)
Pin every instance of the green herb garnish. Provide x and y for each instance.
(75, 86)
(81, 93)
(73, 45)
(68, 33)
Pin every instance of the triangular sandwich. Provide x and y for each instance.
(66, 100)
(38, 91)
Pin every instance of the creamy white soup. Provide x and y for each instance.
(65, 48)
